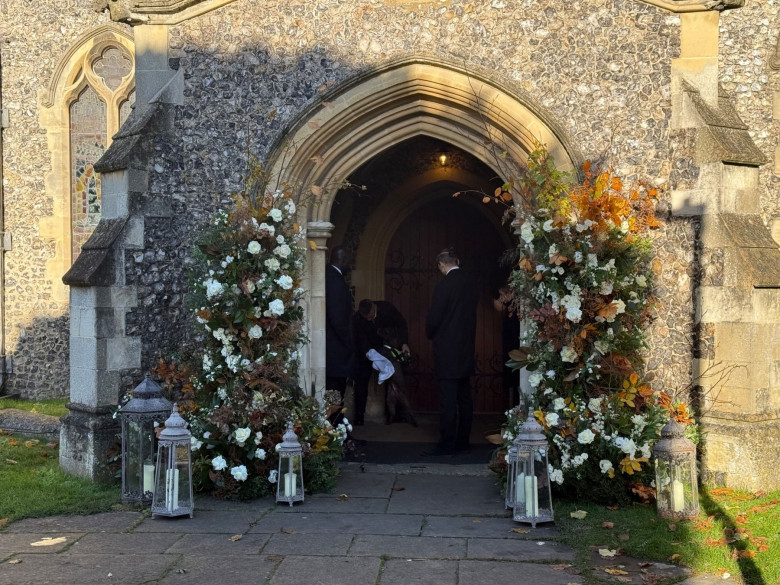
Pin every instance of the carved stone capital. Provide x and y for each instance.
(134, 12)
(696, 5)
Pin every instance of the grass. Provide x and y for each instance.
(736, 533)
(33, 485)
(53, 407)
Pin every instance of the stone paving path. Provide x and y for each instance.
(380, 527)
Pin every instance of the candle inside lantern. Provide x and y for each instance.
(527, 493)
(678, 496)
(172, 489)
(148, 477)
(289, 484)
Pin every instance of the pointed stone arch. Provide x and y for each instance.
(376, 110)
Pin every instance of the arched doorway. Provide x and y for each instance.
(358, 120)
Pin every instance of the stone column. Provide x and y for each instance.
(317, 232)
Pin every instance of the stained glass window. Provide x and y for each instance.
(88, 128)
(95, 116)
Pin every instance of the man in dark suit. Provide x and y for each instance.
(339, 342)
(452, 325)
(375, 323)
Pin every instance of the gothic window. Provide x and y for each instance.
(100, 99)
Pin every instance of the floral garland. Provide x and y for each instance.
(247, 300)
(584, 283)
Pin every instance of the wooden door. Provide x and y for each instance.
(411, 275)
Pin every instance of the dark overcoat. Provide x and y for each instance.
(452, 325)
(339, 341)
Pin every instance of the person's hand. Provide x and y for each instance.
(405, 349)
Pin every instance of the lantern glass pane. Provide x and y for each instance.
(138, 458)
(172, 492)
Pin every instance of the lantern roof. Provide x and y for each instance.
(290, 439)
(530, 433)
(175, 427)
(673, 440)
(147, 399)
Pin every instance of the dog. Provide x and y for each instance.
(397, 405)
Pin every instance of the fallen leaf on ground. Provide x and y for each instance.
(235, 537)
(763, 547)
(672, 527)
(477, 521)
(624, 579)
(274, 559)
(180, 571)
(722, 492)
(607, 524)
(49, 541)
(674, 557)
(342, 497)
(746, 554)
(3, 522)
(741, 519)
(10, 461)
(560, 567)
(645, 564)
(613, 507)
(623, 537)
(520, 530)
(612, 571)
(288, 531)
(14, 561)
(31, 443)
(607, 552)
(579, 514)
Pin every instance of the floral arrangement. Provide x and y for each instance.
(246, 298)
(584, 282)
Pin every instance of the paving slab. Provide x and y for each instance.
(295, 570)
(124, 543)
(22, 542)
(219, 569)
(337, 504)
(518, 550)
(205, 521)
(398, 524)
(237, 544)
(419, 572)
(104, 522)
(95, 569)
(508, 573)
(283, 543)
(366, 484)
(408, 547)
(476, 527)
(433, 494)
(636, 571)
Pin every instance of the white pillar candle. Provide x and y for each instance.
(678, 496)
(148, 477)
(172, 489)
(289, 484)
(531, 497)
(520, 489)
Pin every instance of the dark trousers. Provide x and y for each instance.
(363, 373)
(457, 412)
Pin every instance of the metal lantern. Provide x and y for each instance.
(677, 492)
(138, 416)
(528, 490)
(173, 474)
(289, 486)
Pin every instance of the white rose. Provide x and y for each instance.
(242, 434)
(256, 332)
(552, 419)
(272, 264)
(214, 288)
(285, 281)
(290, 207)
(239, 473)
(195, 443)
(605, 465)
(568, 354)
(264, 227)
(527, 232)
(273, 476)
(559, 403)
(606, 287)
(283, 251)
(641, 280)
(260, 454)
(586, 437)
(219, 463)
(275, 214)
(275, 308)
(254, 247)
(258, 435)
(547, 225)
(535, 379)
